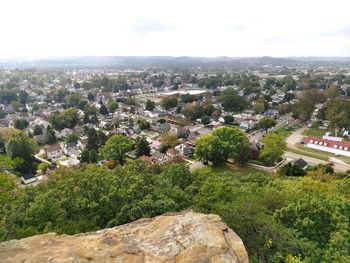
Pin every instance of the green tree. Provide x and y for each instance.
(150, 105)
(112, 106)
(169, 102)
(209, 148)
(51, 135)
(37, 130)
(65, 119)
(230, 101)
(234, 142)
(21, 124)
(290, 169)
(303, 109)
(169, 139)
(143, 124)
(266, 123)
(73, 137)
(142, 147)
(229, 119)
(205, 120)
(116, 147)
(103, 110)
(274, 147)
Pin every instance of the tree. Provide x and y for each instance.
(150, 105)
(260, 105)
(229, 119)
(209, 148)
(21, 124)
(116, 147)
(332, 92)
(169, 139)
(266, 123)
(73, 137)
(230, 101)
(169, 102)
(96, 139)
(235, 144)
(338, 113)
(290, 169)
(274, 147)
(2, 113)
(103, 110)
(65, 119)
(42, 167)
(23, 96)
(143, 124)
(37, 130)
(142, 147)
(205, 120)
(22, 147)
(112, 106)
(51, 135)
(90, 114)
(303, 109)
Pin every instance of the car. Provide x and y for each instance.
(302, 142)
(330, 164)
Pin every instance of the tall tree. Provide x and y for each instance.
(274, 147)
(150, 105)
(266, 123)
(116, 147)
(142, 147)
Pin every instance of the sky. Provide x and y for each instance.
(236, 28)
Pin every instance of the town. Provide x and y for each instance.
(53, 118)
(259, 144)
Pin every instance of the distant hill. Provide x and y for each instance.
(140, 62)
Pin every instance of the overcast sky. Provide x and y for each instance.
(39, 28)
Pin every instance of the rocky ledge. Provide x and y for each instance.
(173, 237)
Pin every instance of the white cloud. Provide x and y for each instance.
(177, 28)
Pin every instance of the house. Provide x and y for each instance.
(53, 152)
(156, 145)
(28, 178)
(185, 149)
(335, 147)
(255, 149)
(172, 152)
(160, 157)
(301, 163)
(74, 153)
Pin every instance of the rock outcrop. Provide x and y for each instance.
(173, 237)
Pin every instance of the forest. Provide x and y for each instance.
(279, 218)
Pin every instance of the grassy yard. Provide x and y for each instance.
(285, 131)
(314, 132)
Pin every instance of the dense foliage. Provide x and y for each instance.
(301, 218)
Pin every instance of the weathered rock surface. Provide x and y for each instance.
(176, 237)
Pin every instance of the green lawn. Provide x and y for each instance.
(314, 132)
(285, 131)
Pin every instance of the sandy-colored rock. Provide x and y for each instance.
(173, 237)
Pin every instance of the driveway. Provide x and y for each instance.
(296, 137)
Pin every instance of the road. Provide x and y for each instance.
(314, 161)
(256, 136)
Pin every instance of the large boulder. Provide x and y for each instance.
(173, 237)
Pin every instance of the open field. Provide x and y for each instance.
(314, 132)
(285, 131)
